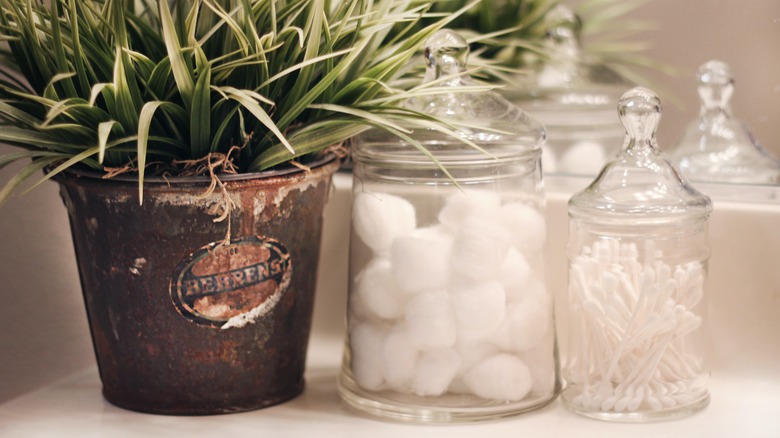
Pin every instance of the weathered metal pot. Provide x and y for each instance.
(181, 323)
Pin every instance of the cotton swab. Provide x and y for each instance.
(637, 315)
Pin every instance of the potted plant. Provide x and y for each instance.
(193, 142)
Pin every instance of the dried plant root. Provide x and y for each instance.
(213, 164)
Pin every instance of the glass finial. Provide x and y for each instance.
(446, 59)
(446, 54)
(564, 33)
(640, 111)
(562, 45)
(716, 85)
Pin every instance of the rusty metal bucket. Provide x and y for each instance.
(181, 322)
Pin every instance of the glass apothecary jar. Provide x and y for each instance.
(638, 252)
(574, 97)
(717, 147)
(449, 318)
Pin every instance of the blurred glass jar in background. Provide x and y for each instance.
(574, 99)
(716, 147)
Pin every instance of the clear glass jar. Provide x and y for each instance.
(449, 318)
(716, 147)
(638, 253)
(574, 98)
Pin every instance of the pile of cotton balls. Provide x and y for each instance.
(453, 307)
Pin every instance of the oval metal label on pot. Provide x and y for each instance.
(232, 285)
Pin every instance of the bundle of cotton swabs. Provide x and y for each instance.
(630, 325)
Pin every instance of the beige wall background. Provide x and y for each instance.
(743, 33)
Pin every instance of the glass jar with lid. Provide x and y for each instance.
(717, 147)
(448, 317)
(574, 97)
(638, 253)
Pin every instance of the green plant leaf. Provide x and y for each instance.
(144, 125)
(179, 67)
(104, 131)
(248, 101)
(30, 139)
(20, 117)
(24, 174)
(308, 140)
(60, 58)
(13, 157)
(200, 114)
(375, 118)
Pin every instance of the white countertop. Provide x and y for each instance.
(740, 407)
(39, 341)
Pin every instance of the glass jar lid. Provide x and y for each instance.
(568, 89)
(476, 116)
(717, 147)
(640, 184)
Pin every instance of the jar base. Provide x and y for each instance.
(643, 416)
(402, 407)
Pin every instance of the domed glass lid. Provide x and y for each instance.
(460, 120)
(481, 116)
(567, 88)
(640, 182)
(717, 146)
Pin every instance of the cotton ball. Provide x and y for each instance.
(479, 249)
(420, 259)
(463, 204)
(499, 377)
(470, 353)
(542, 365)
(524, 327)
(429, 321)
(479, 308)
(366, 341)
(377, 294)
(473, 352)
(514, 274)
(584, 157)
(434, 371)
(526, 226)
(549, 162)
(399, 358)
(378, 218)
(532, 289)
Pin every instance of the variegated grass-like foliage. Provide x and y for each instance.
(111, 83)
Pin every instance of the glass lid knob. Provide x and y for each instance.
(639, 110)
(716, 84)
(446, 54)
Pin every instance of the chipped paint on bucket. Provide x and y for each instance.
(232, 285)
